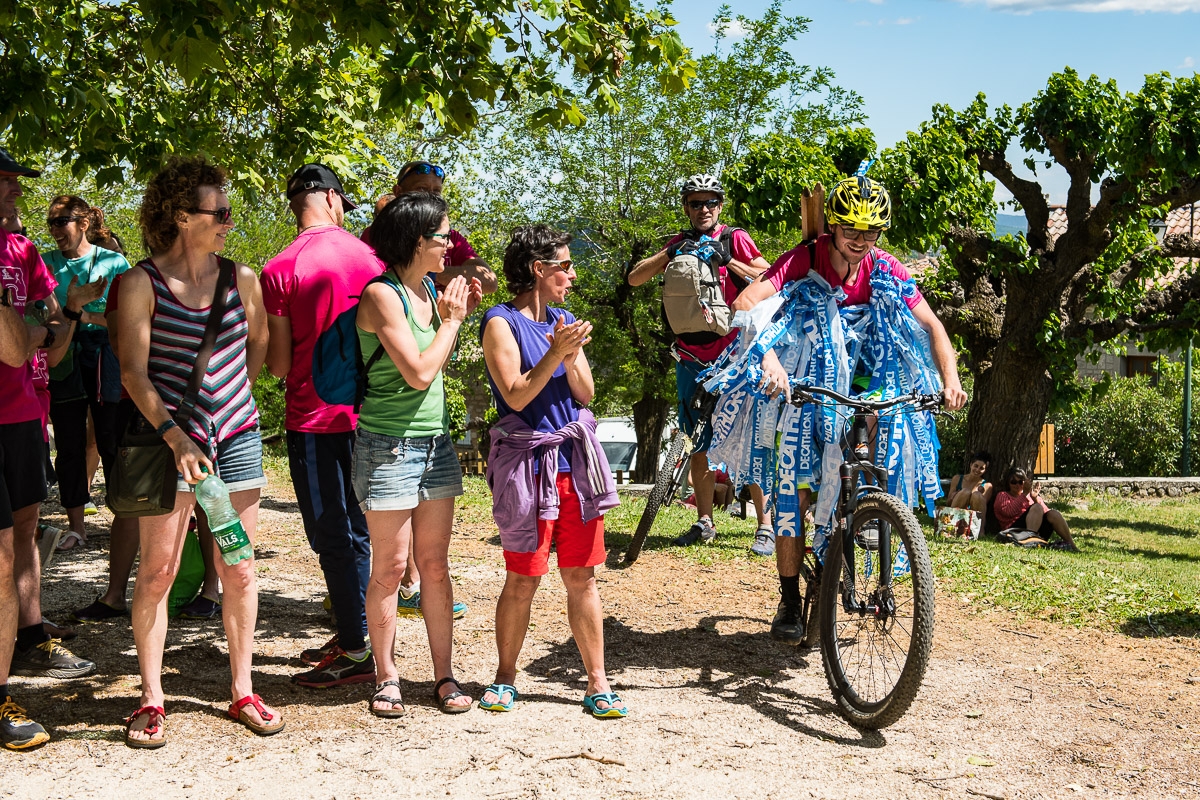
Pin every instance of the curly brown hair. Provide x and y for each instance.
(173, 191)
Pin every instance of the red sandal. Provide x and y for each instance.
(155, 717)
(237, 712)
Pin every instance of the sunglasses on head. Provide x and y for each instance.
(59, 222)
(424, 168)
(696, 205)
(222, 215)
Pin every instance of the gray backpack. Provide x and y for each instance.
(693, 296)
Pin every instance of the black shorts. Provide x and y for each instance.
(1045, 530)
(22, 468)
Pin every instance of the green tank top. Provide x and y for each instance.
(392, 407)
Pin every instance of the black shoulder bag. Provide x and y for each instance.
(144, 475)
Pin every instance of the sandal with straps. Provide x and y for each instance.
(397, 703)
(443, 703)
(237, 712)
(155, 717)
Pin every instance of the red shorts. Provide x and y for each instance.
(577, 544)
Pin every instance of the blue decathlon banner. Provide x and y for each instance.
(782, 448)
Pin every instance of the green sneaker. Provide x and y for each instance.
(411, 606)
(17, 731)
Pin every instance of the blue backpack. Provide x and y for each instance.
(339, 375)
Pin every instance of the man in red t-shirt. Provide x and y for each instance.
(24, 280)
(858, 210)
(702, 198)
(317, 277)
(461, 258)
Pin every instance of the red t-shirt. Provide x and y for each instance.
(460, 251)
(316, 278)
(1008, 506)
(793, 265)
(23, 271)
(742, 248)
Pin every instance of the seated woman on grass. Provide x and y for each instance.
(1019, 505)
(970, 489)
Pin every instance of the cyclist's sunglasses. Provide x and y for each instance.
(222, 215)
(423, 168)
(566, 264)
(61, 222)
(696, 205)
(854, 234)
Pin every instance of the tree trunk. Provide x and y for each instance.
(649, 419)
(1012, 398)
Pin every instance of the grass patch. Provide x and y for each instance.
(734, 535)
(1139, 569)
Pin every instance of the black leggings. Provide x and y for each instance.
(70, 439)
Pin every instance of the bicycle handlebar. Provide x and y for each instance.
(803, 394)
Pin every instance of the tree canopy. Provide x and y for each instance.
(614, 183)
(1022, 308)
(263, 86)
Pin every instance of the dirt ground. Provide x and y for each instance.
(1007, 710)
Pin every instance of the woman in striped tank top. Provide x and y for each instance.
(163, 309)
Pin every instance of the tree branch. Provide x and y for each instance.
(1028, 193)
(1161, 309)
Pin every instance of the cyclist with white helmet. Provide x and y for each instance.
(702, 197)
(857, 210)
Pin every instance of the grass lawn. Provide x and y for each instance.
(1138, 569)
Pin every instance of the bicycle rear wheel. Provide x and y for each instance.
(875, 637)
(666, 484)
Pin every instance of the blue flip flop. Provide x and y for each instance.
(500, 689)
(612, 712)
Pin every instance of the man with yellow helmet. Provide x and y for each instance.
(857, 211)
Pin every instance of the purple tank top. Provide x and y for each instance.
(554, 406)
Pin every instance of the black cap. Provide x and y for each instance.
(9, 166)
(317, 176)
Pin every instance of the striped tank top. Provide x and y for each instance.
(224, 405)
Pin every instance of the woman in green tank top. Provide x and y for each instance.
(406, 473)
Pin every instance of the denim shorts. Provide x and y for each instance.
(394, 474)
(239, 462)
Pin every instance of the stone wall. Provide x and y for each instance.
(1053, 488)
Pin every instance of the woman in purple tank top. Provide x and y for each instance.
(550, 481)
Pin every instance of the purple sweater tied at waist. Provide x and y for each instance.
(521, 496)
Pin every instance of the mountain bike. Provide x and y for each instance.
(670, 476)
(873, 604)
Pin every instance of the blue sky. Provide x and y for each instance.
(903, 56)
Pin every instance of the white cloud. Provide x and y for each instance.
(1099, 6)
(1188, 63)
(734, 30)
(903, 21)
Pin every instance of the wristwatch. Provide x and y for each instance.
(74, 316)
(48, 342)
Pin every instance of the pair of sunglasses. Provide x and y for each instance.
(424, 168)
(61, 222)
(222, 215)
(696, 205)
(854, 234)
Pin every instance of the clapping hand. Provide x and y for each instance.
(567, 340)
(455, 300)
(79, 295)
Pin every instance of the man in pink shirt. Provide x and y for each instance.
(24, 280)
(702, 198)
(461, 258)
(857, 210)
(317, 277)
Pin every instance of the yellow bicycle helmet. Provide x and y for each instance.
(859, 202)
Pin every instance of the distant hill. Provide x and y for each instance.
(1010, 223)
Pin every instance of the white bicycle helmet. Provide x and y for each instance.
(702, 183)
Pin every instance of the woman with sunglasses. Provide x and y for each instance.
(406, 473)
(550, 481)
(1019, 505)
(162, 315)
(88, 379)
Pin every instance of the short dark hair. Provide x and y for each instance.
(173, 191)
(398, 229)
(1015, 472)
(979, 455)
(530, 243)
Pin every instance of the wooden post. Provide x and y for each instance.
(1045, 457)
(812, 212)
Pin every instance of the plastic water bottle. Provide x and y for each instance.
(223, 521)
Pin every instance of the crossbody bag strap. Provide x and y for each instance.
(215, 314)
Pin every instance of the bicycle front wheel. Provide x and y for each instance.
(666, 484)
(876, 633)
